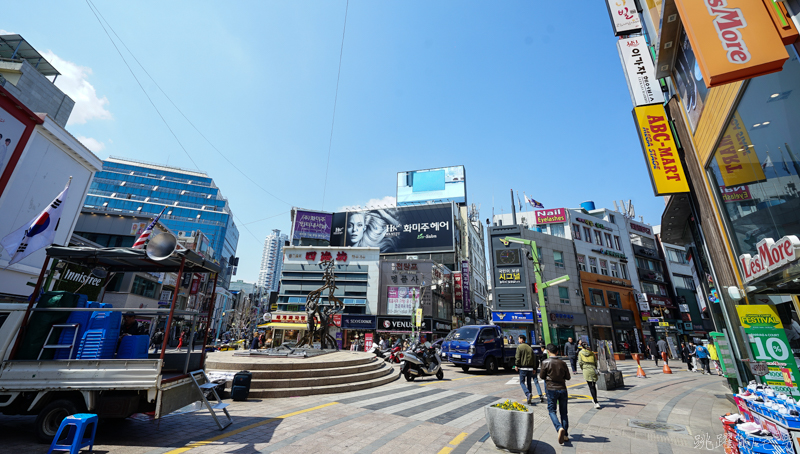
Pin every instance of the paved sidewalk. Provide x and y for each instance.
(428, 416)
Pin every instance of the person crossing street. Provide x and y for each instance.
(653, 348)
(703, 357)
(526, 363)
(571, 352)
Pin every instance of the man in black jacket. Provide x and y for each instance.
(651, 345)
(571, 352)
(555, 373)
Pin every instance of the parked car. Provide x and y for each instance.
(478, 346)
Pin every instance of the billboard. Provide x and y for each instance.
(402, 300)
(660, 150)
(398, 230)
(551, 216)
(732, 40)
(312, 225)
(445, 184)
(639, 72)
(624, 16)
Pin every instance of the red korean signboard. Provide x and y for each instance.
(457, 278)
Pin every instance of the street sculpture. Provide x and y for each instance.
(316, 312)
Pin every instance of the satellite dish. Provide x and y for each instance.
(161, 246)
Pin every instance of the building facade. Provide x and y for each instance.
(272, 261)
(190, 200)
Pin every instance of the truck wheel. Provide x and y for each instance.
(50, 418)
(465, 368)
(491, 365)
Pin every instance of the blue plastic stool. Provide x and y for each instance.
(76, 426)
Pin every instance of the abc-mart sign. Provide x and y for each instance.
(771, 256)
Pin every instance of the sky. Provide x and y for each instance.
(527, 98)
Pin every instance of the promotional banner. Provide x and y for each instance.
(402, 300)
(736, 157)
(312, 225)
(624, 17)
(446, 184)
(338, 226)
(551, 216)
(639, 72)
(768, 343)
(465, 294)
(732, 39)
(401, 230)
(367, 341)
(660, 150)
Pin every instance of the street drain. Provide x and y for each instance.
(654, 425)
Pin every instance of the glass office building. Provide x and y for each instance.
(192, 200)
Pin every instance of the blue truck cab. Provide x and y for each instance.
(478, 346)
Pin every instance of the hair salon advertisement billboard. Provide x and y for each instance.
(399, 230)
(313, 225)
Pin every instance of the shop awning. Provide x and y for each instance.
(674, 220)
(276, 325)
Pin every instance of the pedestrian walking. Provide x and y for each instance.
(693, 357)
(588, 362)
(687, 357)
(555, 373)
(653, 349)
(181, 340)
(703, 357)
(712, 354)
(662, 348)
(571, 352)
(526, 362)
(158, 339)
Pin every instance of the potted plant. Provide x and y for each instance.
(510, 425)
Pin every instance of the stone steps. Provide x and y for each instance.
(244, 363)
(316, 381)
(328, 389)
(313, 373)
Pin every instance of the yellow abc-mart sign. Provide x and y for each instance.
(660, 150)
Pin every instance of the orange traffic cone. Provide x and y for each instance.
(639, 372)
(666, 368)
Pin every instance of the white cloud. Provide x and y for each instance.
(74, 82)
(6, 32)
(92, 144)
(372, 203)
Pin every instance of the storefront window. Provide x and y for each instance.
(755, 166)
(614, 299)
(596, 297)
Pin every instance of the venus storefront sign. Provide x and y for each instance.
(732, 39)
(771, 256)
(551, 216)
(639, 72)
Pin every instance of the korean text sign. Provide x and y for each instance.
(639, 72)
(660, 150)
(732, 39)
(401, 300)
(465, 296)
(768, 343)
(312, 225)
(624, 17)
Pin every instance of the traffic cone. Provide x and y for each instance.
(666, 368)
(639, 372)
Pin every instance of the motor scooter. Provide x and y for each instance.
(420, 360)
(393, 354)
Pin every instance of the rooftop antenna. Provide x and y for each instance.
(513, 209)
(616, 208)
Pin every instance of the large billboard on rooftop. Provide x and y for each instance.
(444, 184)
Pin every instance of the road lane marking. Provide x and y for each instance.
(453, 443)
(446, 381)
(198, 444)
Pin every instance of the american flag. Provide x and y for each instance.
(146, 234)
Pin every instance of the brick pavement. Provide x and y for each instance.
(426, 416)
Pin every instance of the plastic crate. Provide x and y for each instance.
(82, 319)
(133, 347)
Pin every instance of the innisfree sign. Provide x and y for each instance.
(771, 256)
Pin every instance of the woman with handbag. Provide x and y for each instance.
(588, 364)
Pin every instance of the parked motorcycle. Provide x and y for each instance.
(393, 355)
(419, 361)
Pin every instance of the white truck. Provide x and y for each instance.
(111, 388)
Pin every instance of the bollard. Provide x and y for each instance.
(639, 372)
(666, 368)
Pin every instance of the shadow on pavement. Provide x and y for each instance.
(580, 438)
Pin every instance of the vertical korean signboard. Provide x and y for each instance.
(660, 150)
(639, 72)
(465, 286)
(768, 343)
(459, 292)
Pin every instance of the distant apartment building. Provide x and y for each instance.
(272, 261)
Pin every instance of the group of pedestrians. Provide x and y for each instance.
(706, 356)
(555, 373)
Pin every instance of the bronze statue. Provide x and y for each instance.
(315, 312)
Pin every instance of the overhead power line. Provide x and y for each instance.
(335, 99)
(172, 102)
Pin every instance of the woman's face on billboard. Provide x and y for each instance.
(355, 228)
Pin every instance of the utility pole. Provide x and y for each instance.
(540, 286)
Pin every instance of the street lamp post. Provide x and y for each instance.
(540, 286)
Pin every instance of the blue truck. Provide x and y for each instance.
(478, 346)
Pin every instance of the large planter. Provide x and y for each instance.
(511, 430)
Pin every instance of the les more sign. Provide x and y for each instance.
(771, 255)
